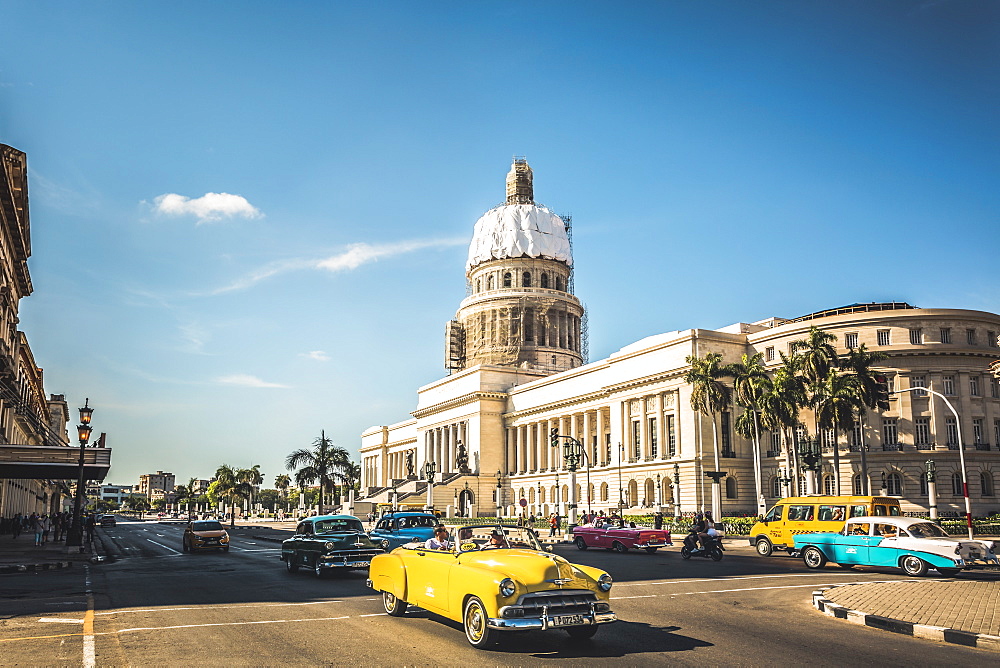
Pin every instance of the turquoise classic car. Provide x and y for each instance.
(912, 544)
(399, 528)
(328, 542)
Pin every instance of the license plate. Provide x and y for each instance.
(568, 620)
(655, 542)
(360, 564)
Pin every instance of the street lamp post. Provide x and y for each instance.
(931, 474)
(961, 449)
(573, 452)
(74, 537)
(430, 468)
(785, 480)
(621, 492)
(499, 477)
(677, 492)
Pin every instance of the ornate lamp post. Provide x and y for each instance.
(499, 477)
(621, 492)
(931, 473)
(677, 492)
(74, 537)
(809, 455)
(573, 452)
(785, 480)
(430, 468)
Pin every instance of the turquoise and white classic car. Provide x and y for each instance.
(912, 544)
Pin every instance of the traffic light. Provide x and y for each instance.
(881, 392)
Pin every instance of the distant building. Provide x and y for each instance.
(114, 493)
(150, 482)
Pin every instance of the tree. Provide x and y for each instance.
(838, 398)
(282, 482)
(817, 358)
(750, 385)
(779, 409)
(709, 395)
(229, 486)
(324, 464)
(253, 479)
(859, 362)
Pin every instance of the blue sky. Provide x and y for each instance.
(250, 220)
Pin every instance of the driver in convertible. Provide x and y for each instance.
(497, 540)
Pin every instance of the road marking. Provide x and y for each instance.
(66, 620)
(195, 626)
(163, 546)
(377, 614)
(219, 607)
(618, 598)
(741, 577)
(89, 653)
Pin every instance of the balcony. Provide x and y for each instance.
(892, 447)
(982, 446)
(730, 454)
(773, 453)
(53, 462)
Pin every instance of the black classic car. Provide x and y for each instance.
(328, 542)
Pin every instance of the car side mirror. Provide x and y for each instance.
(547, 548)
(760, 518)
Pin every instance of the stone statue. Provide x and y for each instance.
(409, 464)
(462, 458)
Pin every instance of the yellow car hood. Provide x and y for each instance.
(536, 570)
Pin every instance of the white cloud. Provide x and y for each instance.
(207, 208)
(318, 355)
(352, 257)
(246, 380)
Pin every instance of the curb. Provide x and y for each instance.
(34, 568)
(925, 631)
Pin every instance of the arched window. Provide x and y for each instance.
(545, 280)
(802, 485)
(986, 483)
(604, 491)
(541, 495)
(828, 485)
(857, 484)
(650, 493)
(923, 485)
(506, 279)
(526, 279)
(776, 490)
(894, 484)
(479, 285)
(559, 282)
(489, 282)
(531, 495)
(956, 484)
(731, 487)
(633, 492)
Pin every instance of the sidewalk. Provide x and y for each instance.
(965, 612)
(20, 555)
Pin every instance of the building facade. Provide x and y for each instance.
(487, 426)
(155, 485)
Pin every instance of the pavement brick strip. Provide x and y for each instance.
(961, 612)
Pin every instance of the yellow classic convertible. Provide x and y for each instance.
(493, 578)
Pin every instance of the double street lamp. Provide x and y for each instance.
(74, 537)
(430, 468)
(573, 452)
(499, 477)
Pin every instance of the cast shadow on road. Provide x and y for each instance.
(618, 640)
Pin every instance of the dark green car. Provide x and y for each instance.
(328, 542)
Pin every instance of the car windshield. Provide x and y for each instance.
(339, 525)
(417, 522)
(492, 537)
(206, 526)
(926, 530)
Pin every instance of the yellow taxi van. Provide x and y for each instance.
(807, 514)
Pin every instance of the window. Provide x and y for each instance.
(857, 484)
(977, 430)
(986, 483)
(922, 431)
(800, 513)
(672, 436)
(946, 335)
(726, 437)
(974, 385)
(545, 280)
(882, 337)
(506, 279)
(894, 484)
(916, 336)
(918, 381)
(851, 340)
(774, 514)
(828, 490)
(489, 282)
(956, 484)
(890, 381)
(991, 339)
(731, 488)
(970, 337)
(526, 279)
(832, 513)
(776, 491)
(948, 382)
(854, 438)
(890, 433)
(994, 387)
(923, 484)
(559, 283)
(952, 429)
(769, 354)
(653, 445)
(636, 441)
(479, 285)
(996, 432)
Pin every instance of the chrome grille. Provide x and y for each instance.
(567, 601)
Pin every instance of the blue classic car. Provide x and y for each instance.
(400, 528)
(912, 544)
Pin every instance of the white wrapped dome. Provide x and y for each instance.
(519, 230)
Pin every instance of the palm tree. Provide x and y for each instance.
(750, 385)
(835, 410)
(325, 464)
(709, 395)
(859, 361)
(281, 483)
(817, 358)
(779, 409)
(229, 486)
(253, 479)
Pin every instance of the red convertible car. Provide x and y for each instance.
(614, 533)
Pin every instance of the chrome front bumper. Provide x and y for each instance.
(545, 621)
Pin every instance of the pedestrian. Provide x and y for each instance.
(35, 524)
(553, 524)
(17, 525)
(46, 527)
(91, 525)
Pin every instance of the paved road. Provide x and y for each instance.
(158, 606)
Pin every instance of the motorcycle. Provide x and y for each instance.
(691, 547)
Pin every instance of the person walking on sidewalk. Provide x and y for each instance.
(35, 524)
(91, 525)
(46, 527)
(553, 524)
(17, 525)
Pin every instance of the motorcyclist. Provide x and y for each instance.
(698, 529)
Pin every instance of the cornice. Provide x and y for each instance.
(462, 400)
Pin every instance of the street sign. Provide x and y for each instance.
(523, 503)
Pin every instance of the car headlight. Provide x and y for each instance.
(328, 546)
(604, 583)
(385, 544)
(507, 588)
(225, 538)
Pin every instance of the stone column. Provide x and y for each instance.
(587, 440)
(643, 430)
(602, 451)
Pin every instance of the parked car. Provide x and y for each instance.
(399, 528)
(205, 535)
(108, 521)
(614, 533)
(912, 544)
(492, 579)
(328, 542)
